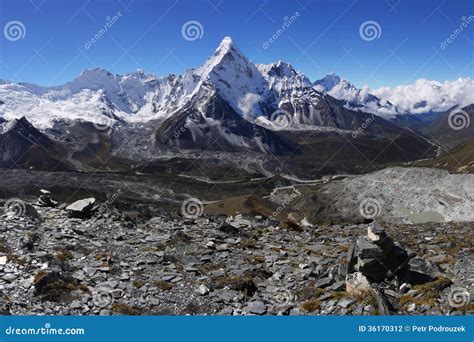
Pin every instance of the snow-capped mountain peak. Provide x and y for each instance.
(94, 79)
(327, 82)
(279, 69)
(334, 83)
(283, 79)
(250, 90)
(234, 77)
(226, 45)
(357, 99)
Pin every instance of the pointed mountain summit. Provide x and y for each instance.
(228, 91)
(233, 76)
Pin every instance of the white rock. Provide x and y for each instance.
(357, 284)
(82, 205)
(202, 290)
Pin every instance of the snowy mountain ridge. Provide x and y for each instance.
(254, 91)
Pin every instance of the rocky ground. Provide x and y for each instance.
(409, 195)
(116, 263)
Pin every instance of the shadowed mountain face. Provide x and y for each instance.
(228, 104)
(453, 127)
(457, 160)
(208, 122)
(24, 146)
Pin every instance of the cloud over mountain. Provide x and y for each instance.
(426, 95)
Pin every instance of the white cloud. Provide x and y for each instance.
(248, 104)
(426, 95)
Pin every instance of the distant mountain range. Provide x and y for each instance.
(251, 90)
(228, 104)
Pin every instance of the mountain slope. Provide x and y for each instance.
(227, 104)
(208, 122)
(24, 146)
(234, 77)
(460, 159)
(357, 99)
(255, 92)
(452, 127)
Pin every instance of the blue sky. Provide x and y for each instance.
(324, 37)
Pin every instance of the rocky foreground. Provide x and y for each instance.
(56, 261)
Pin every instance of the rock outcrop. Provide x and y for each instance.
(45, 199)
(82, 208)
